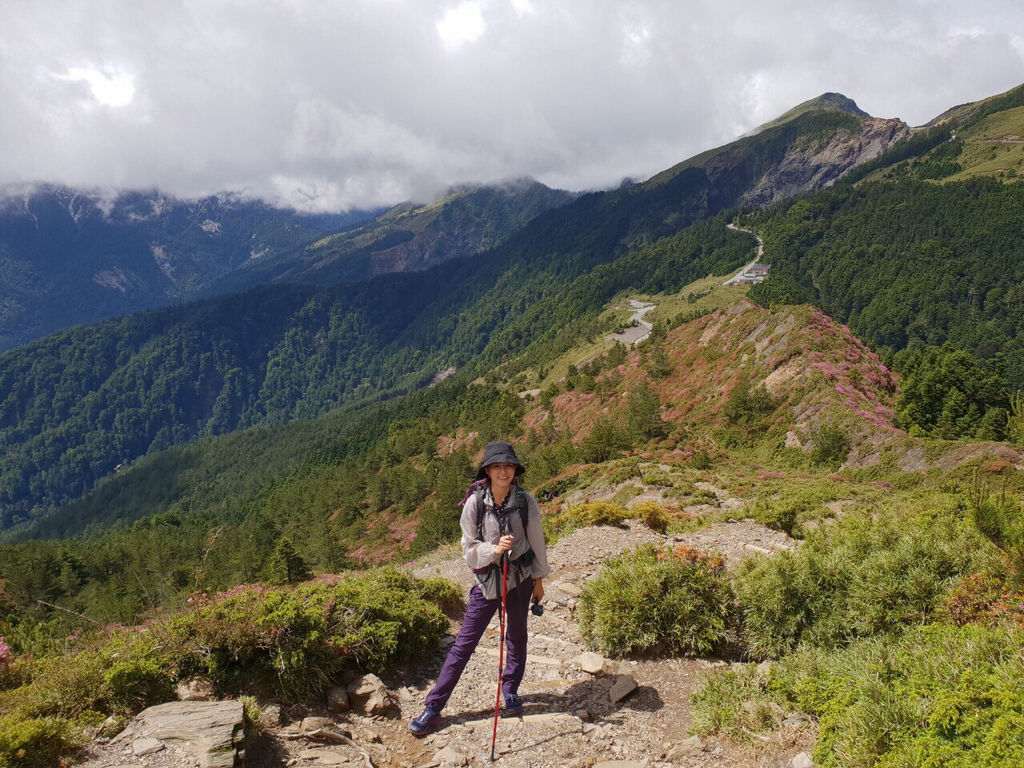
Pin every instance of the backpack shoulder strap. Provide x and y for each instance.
(523, 505)
(478, 494)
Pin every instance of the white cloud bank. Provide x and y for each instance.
(328, 105)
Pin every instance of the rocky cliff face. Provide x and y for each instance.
(817, 163)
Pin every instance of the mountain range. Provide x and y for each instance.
(146, 382)
(78, 256)
(321, 409)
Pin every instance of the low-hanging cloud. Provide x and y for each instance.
(355, 103)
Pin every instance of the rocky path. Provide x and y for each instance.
(580, 709)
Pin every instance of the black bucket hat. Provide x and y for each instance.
(499, 453)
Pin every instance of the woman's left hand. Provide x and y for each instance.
(538, 590)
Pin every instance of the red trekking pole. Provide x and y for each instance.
(501, 647)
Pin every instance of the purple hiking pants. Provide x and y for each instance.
(478, 615)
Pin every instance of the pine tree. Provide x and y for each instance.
(286, 564)
(1000, 519)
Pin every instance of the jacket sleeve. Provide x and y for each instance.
(535, 533)
(477, 553)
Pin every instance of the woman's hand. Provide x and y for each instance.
(538, 590)
(504, 545)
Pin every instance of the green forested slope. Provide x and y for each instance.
(908, 261)
(216, 509)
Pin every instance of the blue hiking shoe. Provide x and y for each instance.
(426, 722)
(513, 705)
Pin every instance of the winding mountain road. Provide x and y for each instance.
(742, 275)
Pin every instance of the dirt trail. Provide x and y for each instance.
(569, 718)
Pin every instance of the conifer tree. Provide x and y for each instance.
(286, 565)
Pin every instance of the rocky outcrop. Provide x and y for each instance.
(210, 731)
(812, 163)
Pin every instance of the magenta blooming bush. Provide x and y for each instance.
(6, 657)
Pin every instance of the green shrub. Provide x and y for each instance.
(680, 490)
(36, 742)
(748, 405)
(704, 496)
(652, 514)
(778, 515)
(701, 460)
(938, 696)
(737, 701)
(1000, 519)
(295, 641)
(625, 494)
(831, 446)
(854, 578)
(658, 477)
(657, 601)
(592, 513)
(624, 472)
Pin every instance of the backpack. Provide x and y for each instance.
(522, 505)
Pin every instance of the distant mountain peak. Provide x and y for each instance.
(835, 101)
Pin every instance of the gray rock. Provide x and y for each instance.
(593, 663)
(195, 688)
(687, 748)
(369, 695)
(337, 699)
(568, 588)
(310, 724)
(212, 731)
(621, 688)
(143, 747)
(451, 756)
(802, 760)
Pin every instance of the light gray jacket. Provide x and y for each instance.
(480, 553)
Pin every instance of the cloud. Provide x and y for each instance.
(366, 102)
(460, 25)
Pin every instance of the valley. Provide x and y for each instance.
(787, 511)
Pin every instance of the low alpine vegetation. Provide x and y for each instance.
(289, 641)
(657, 601)
(854, 578)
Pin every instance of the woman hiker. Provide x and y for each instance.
(493, 524)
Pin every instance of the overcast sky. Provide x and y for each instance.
(328, 104)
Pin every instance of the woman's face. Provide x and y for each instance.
(501, 474)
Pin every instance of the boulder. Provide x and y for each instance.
(315, 723)
(212, 731)
(802, 760)
(451, 756)
(369, 695)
